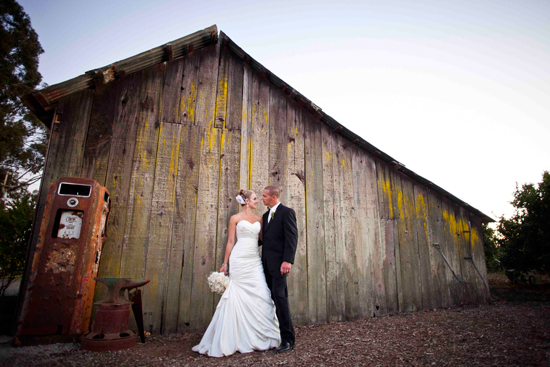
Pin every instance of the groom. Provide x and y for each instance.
(280, 237)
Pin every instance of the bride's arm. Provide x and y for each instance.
(230, 244)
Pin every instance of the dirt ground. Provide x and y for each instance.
(514, 330)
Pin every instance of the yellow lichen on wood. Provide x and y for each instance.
(221, 102)
(421, 213)
(386, 187)
(174, 157)
(142, 141)
(452, 224)
(463, 227)
(222, 142)
(400, 204)
(250, 163)
(191, 98)
(212, 135)
(475, 237)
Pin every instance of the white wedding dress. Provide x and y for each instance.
(245, 318)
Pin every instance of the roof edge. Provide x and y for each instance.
(340, 129)
(42, 102)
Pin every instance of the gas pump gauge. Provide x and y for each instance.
(72, 202)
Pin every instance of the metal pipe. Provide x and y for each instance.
(436, 245)
(479, 273)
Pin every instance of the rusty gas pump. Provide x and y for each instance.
(57, 300)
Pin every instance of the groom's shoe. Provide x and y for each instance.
(285, 347)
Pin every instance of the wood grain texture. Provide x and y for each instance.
(436, 235)
(337, 291)
(363, 240)
(204, 114)
(184, 229)
(183, 233)
(259, 145)
(202, 298)
(317, 292)
(408, 250)
(465, 238)
(224, 200)
(180, 266)
(136, 236)
(278, 139)
(160, 225)
(296, 199)
(399, 234)
(246, 130)
(235, 93)
(333, 268)
(347, 242)
(229, 108)
(69, 136)
(375, 237)
(388, 237)
(100, 132)
(119, 172)
(463, 243)
(429, 289)
(163, 200)
(449, 245)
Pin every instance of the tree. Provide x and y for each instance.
(16, 224)
(524, 239)
(491, 249)
(23, 138)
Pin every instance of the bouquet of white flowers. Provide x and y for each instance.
(218, 282)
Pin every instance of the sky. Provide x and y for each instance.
(457, 91)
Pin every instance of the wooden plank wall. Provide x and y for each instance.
(174, 142)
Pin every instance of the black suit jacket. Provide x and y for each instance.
(280, 238)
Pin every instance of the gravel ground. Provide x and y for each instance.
(514, 330)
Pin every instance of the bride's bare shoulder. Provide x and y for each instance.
(235, 218)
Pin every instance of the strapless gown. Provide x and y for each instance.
(245, 318)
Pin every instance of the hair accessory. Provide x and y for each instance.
(240, 199)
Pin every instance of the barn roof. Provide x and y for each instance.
(43, 102)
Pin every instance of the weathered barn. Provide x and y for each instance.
(175, 131)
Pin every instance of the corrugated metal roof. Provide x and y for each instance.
(42, 102)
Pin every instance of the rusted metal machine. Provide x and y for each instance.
(56, 303)
(110, 327)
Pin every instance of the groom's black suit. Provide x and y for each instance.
(280, 237)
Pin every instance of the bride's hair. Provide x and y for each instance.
(245, 194)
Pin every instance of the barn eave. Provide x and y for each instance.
(42, 102)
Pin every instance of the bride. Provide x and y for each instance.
(245, 318)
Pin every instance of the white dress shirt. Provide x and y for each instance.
(272, 210)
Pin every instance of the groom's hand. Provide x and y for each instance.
(285, 268)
